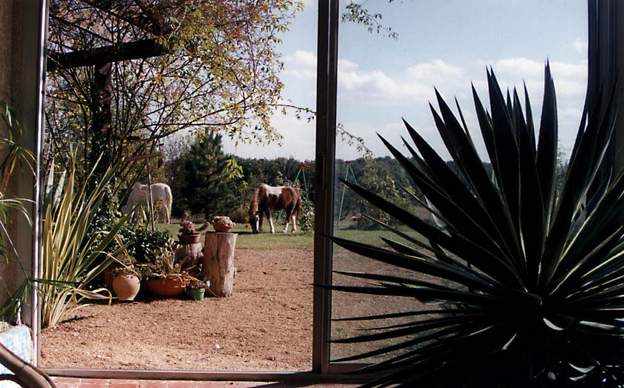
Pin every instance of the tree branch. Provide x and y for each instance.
(119, 52)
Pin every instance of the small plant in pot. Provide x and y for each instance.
(167, 277)
(222, 224)
(188, 234)
(196, 289)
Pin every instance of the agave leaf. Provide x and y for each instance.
(547, 146)
(458, 217)
(396, 231)
(438, 332)
(389, 278)
(474, 254)
(472, 167)
(403, 314)
(507, 154)
(532, 275)
(532, 222)
(459, 275)
(408, 331)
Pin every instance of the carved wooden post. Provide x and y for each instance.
(218, 263)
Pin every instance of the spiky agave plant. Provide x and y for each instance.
(532, 276)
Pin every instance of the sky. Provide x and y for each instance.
(445, 44)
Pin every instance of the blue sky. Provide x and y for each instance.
(442, 43)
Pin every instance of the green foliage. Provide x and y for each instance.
(206, 180)
(376, 177)
(142, 243)
(15, 158)
(382, 175)
(358, 13)
(74, 256)
(306, 218)
(273, 172)
(218, 65)
(527, 281)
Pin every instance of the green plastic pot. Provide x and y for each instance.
(197, 293)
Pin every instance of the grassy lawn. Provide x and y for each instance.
(246, 239)
(300, 240)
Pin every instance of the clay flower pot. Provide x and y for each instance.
(221, 228)
(189, 238)
(222, 224)
(126, 286)
(167, 287)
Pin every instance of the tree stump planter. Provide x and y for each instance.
(194, 238)
(192, 250)
(218, 262)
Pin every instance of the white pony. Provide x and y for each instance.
(161, 195)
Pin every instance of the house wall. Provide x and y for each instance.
(7, 269)
(20, 86)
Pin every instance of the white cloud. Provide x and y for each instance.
(434, 69)
(393, 94)
(301, 64)
(580, 45)
(298, 141)
(372, 99)
(570, 78)
(381, 87)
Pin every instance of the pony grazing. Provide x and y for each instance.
(162, 199)
(267, 198)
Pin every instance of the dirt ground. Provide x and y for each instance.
(265, 325)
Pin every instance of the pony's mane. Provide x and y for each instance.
(253, 205)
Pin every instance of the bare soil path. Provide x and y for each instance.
(265, 325)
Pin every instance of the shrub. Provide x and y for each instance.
(142, 243)
(73, 255)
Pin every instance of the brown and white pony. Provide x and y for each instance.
(267, 199)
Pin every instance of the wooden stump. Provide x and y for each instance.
(194, 251)
(218, 262)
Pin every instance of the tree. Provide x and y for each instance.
(124, 74)
(358, 13)
(206, 180)
(376, 177)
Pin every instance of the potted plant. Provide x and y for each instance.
(222, 224)
(187, 233)
(167, 277)
(123, 278)
(196, 289)
(126, 283)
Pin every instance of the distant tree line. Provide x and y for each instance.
(207, 182)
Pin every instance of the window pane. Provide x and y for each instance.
(387, 71)
(214, 101)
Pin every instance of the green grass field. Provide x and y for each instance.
(300, 240)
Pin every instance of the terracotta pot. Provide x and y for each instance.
(222, 228)
(189, 238)
(126, 286)
(108, 278)
(166, 287)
